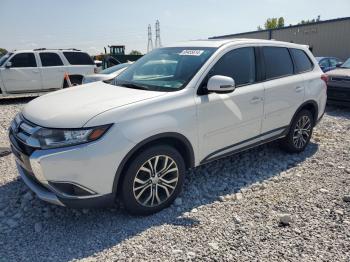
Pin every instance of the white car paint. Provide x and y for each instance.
(210, 123)
(26, 80)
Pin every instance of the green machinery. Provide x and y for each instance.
(117, 56)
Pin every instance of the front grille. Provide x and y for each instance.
(340, 79)
(20, 135)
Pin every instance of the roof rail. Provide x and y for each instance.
(41, 49)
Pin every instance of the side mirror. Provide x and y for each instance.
(8, 65)
(221, 84)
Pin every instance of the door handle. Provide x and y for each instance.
(298, 89)
(255, 100)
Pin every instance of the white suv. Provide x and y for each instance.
(42, 70)
(135, 138)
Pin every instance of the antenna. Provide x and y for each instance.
(158, 42)
(150, 43)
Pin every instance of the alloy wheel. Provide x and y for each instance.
(155, 181)
(302, 132)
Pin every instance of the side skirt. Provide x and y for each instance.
(226, 151)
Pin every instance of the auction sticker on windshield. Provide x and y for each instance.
(192, 52)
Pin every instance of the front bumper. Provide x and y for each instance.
(90, 168)
(42, 192)
(47, 193)
(338, 95)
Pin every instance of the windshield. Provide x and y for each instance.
(4, 58)
(346, 64)
(113, 69)
(165, 69)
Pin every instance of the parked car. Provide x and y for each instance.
(135, 138)
(328, 63)
(106, 75)
(338, 85)
(42, 70)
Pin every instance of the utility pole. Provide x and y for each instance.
(150, 42)
(158, 42)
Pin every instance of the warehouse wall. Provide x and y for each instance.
(256, 35)
(326, 38)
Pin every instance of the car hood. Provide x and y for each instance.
(339, 72)
(74, 107)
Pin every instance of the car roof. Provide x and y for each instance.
(216, 43)
(46, 50)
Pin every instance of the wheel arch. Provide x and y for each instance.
(72, 76)
(178, 141)
(310, 105)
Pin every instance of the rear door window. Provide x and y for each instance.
(78, 58)
(23, 60)
(278, 62)
(50, 59)
(301, 60)
(238, 64)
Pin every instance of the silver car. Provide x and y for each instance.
(106, 75)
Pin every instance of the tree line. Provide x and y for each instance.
(278, 22)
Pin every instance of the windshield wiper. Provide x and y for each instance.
(134, 86)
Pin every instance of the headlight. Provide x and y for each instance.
(53, 138)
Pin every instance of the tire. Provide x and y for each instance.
(300, 133)
(143, 189)
(75, 80)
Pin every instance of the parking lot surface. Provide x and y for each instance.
(260, 205)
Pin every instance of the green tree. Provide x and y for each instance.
(272, 23)
(2, 51)
(135, 52)
(280, 22)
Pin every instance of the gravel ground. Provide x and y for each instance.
(260, 205)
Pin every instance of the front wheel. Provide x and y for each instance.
(300, 133)
(153, 180)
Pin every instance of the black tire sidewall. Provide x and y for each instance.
(127, 195)
(289, 139)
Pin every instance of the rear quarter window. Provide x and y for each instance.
(301, 60)
(278, 62)
(78, 58)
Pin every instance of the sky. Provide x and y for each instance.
(91, 25)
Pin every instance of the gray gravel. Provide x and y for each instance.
(260, 205)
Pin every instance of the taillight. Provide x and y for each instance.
(324, 77)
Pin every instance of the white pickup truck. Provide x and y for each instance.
(42, 70)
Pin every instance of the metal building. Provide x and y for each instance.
(325, 38)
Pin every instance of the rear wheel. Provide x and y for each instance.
(153, 180)
(300, 132)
